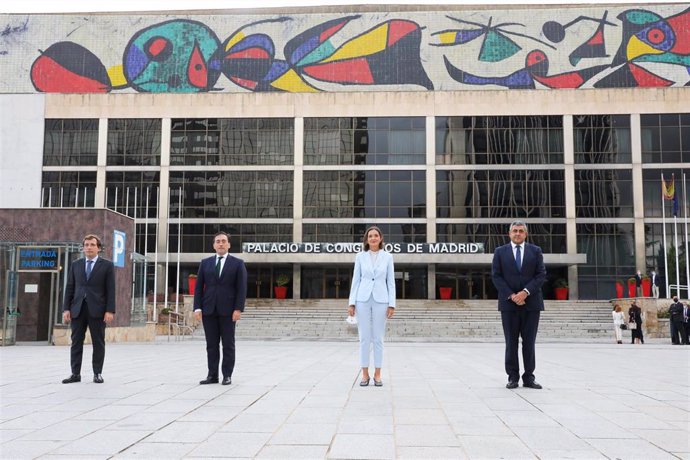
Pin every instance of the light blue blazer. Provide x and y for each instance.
(378, 279)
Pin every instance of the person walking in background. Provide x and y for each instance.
(372, 299)
(618, 323)
(89, 303)
(638, 283)
(635, 316)
(676, 310)
(219, 298)
(654, 279)
(518, 273)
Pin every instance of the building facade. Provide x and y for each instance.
(301, 127)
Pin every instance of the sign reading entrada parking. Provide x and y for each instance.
(345, 248)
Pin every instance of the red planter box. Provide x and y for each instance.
(619, 290)
(192, 285)
(632, 290)
(280, 292)
(561, 293)
(445, 292)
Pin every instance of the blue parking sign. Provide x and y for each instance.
(119, 239)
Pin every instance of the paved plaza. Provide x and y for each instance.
(301, 399)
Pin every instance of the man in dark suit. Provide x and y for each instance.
(676, 310)
(518, 273)
(219, 297)
(89, 302)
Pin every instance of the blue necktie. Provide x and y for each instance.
(518, 258)
(89, 266)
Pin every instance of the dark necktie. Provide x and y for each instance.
(518, 257)
(89, 266)
(218, 266)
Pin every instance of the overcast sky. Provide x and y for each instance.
(69, 6)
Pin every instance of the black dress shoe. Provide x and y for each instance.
(533, 384)
(226, 381)
(74, 378)
(511, 384)
(208, 380)
(97, 378)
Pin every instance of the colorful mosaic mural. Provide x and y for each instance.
(532, 48)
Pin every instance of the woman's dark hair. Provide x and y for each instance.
(366, 235)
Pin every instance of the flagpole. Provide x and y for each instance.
(675, 242)
(179, 234)
(663, 223)
(687, 256)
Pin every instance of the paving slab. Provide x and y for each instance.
(302, 399)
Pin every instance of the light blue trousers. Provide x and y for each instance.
(371, 324)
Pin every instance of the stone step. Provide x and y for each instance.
(419, 319)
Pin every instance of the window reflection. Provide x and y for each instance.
(70, 142)
(364, 140)
(364, 194)
(244, 194)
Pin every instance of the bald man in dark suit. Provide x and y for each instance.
(518, 273)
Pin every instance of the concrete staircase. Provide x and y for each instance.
(420, 320)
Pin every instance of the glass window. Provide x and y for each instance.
(603, 193)
(364, 140)
(350, 194)
(70, 142)
(500, 193)
(610, 250)
(499, 140)
(134, 142)
(129, 192)
(232, 141)
(652, 191)
(665, 138)
(234, 194)
(602, 139)
(199, 237)
(68, 189)
(353, 233)
(550, 237)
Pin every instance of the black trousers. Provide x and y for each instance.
(520, 324)
(217, 329)
(679, 331)
(96, 327)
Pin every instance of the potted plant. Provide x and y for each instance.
(632, 287)
(191, 280)
(560, 289)
(164, 315)
(280, 289)
(646, 286)
(619, 289)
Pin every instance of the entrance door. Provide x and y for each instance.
(326, 282)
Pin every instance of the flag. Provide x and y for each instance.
(668, 191)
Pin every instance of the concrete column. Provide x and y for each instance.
(570, 214)
(431, 199)
(101, 160)
(298, 178)
(638, 205)
(163, 200)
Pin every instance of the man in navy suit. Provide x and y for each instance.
(89, 302)
(518, 273)
(219, 297)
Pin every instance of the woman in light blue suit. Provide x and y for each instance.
(372, 298)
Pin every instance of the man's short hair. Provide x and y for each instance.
(99, 243)
(221, 233)
(518, 223)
